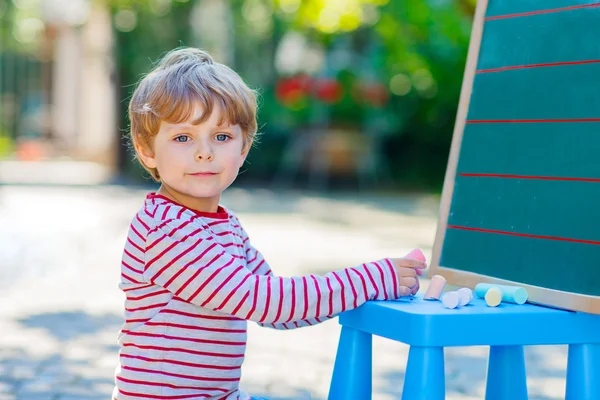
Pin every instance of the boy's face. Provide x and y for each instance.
(197, 162)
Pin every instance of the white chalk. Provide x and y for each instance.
(465, 296)
(451, 299)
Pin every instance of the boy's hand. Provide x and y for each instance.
(407, 270)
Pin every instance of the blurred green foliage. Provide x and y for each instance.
(416, 52)
(403, 81)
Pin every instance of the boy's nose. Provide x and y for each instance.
(204, 153)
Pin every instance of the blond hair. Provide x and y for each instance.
(169, 91)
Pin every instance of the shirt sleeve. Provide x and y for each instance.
(255, 261)
(185, 258)
(257, 264)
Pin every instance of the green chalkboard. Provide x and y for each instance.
(521, 200)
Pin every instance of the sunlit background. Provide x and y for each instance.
(357, 106)
(355, 94)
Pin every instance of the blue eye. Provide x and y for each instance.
(181, 138)
(221, 137)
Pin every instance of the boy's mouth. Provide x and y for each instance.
(203, 173)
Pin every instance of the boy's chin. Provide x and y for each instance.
(203, 194)
(197, 192)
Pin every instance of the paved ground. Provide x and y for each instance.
(60, 309)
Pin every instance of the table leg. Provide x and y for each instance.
(352, 372)
(424, 378)
(507, 379)
(583, 372)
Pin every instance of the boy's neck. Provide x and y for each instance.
(209, 205)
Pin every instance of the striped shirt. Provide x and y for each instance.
(192, 280)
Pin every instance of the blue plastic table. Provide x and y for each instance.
(428, 327)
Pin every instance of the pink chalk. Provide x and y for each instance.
(416, 254)
(436, 286)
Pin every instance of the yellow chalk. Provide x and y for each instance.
(493, 297)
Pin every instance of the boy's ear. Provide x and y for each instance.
(245, 152)
(146, 155)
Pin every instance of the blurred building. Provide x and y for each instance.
(57, 92)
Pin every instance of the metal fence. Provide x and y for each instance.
(24, 99)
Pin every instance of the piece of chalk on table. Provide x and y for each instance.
(451, 299)
(510, 294)
(436, 286)
(493, 297)
(465, 295)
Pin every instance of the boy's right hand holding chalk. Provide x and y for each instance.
(408, 268)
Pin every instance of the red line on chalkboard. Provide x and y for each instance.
(529, 121)
(545, 178)
(562, 239)
(554, 10)
(556, 64)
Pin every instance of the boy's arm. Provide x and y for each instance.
(184, 258)
(255, 261)
(257, 264)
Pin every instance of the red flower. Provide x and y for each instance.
(291, 90)
(328, 90)
(374, 94)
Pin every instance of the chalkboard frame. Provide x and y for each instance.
(537, 295)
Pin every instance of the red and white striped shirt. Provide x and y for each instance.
(192, 280)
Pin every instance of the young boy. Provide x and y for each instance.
(191, 277)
